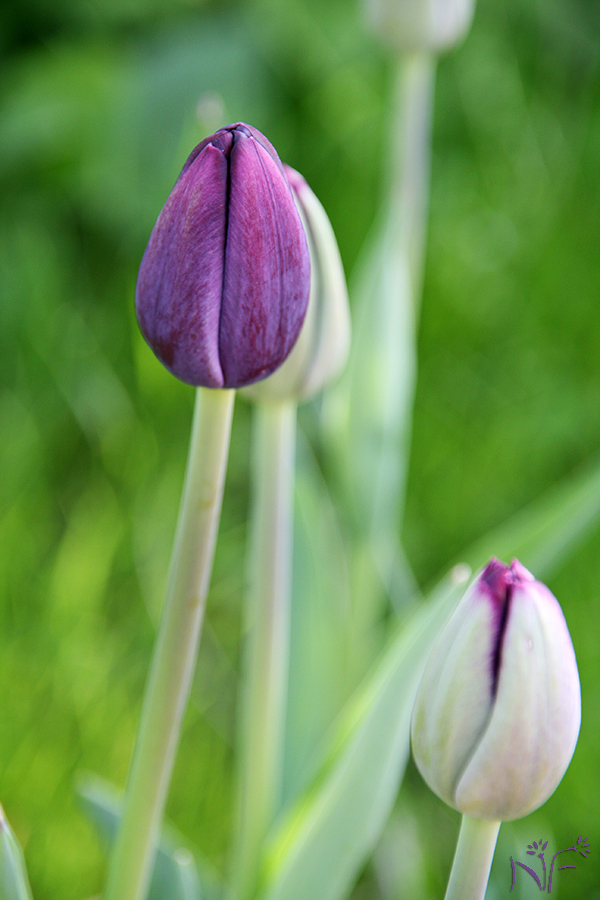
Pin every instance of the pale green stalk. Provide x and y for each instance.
(410, 157)
(266, 657)
(367, 417)
(169, 682)
(473, 859)
(403, 239)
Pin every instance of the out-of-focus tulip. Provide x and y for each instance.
(430, 25)
(497, 713)
(322, 348)
(223, 286)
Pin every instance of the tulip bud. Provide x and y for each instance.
(223, 285)
(430, 25)
(322, 347)
(498, 710)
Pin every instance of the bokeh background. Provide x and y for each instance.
(100, 103)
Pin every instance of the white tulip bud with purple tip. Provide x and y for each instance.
(498, 711)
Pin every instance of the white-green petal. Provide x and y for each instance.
(533, 730)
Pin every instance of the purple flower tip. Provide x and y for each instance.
(223, 285)
(496, 578)
(498, 581)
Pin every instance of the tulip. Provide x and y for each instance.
(431, 25)
(223, 285)
(321, 350)
(317, 357)
(498, 711)
(221, 296)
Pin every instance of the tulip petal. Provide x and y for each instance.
(535, 722)
(178, 293)
(267, 270)
(454, 701)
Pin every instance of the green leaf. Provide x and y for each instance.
(319, 847)
(543, 534)
(320, 624)
(368, 414)
(14, 884)
(175, 872)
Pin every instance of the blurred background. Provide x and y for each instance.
(100, 103)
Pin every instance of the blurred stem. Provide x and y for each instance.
(402, 249)
(265, 663)
(172, 669)
(473, 859)
(410, 158)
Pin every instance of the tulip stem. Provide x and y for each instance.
(266, 656)
(373, 408)
(407, 206)
(473, 859)
(174, 660)
(410, 158)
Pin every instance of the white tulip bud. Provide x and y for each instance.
(430, 25)
(498, 711)
(321, 350)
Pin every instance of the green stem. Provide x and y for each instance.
(402, 245)
(267, 626)
(169, 682)
(410, 156)
(473, 859)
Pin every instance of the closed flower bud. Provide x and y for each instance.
(498, 710)
(223, 286)
(322, 348)
(430, 25)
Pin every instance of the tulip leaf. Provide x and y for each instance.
(320, 622)
(319, 846)
(543, 534)
(371, 408)
(14, 884)
(175, 874)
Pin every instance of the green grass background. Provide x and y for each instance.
(100, 103)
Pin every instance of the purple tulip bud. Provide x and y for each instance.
(224, 282)
(498, 710)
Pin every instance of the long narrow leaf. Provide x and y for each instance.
(175, 874)
(14, 884)
(543, 534)
(320, 847)
(321, 622)
(367, 416)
